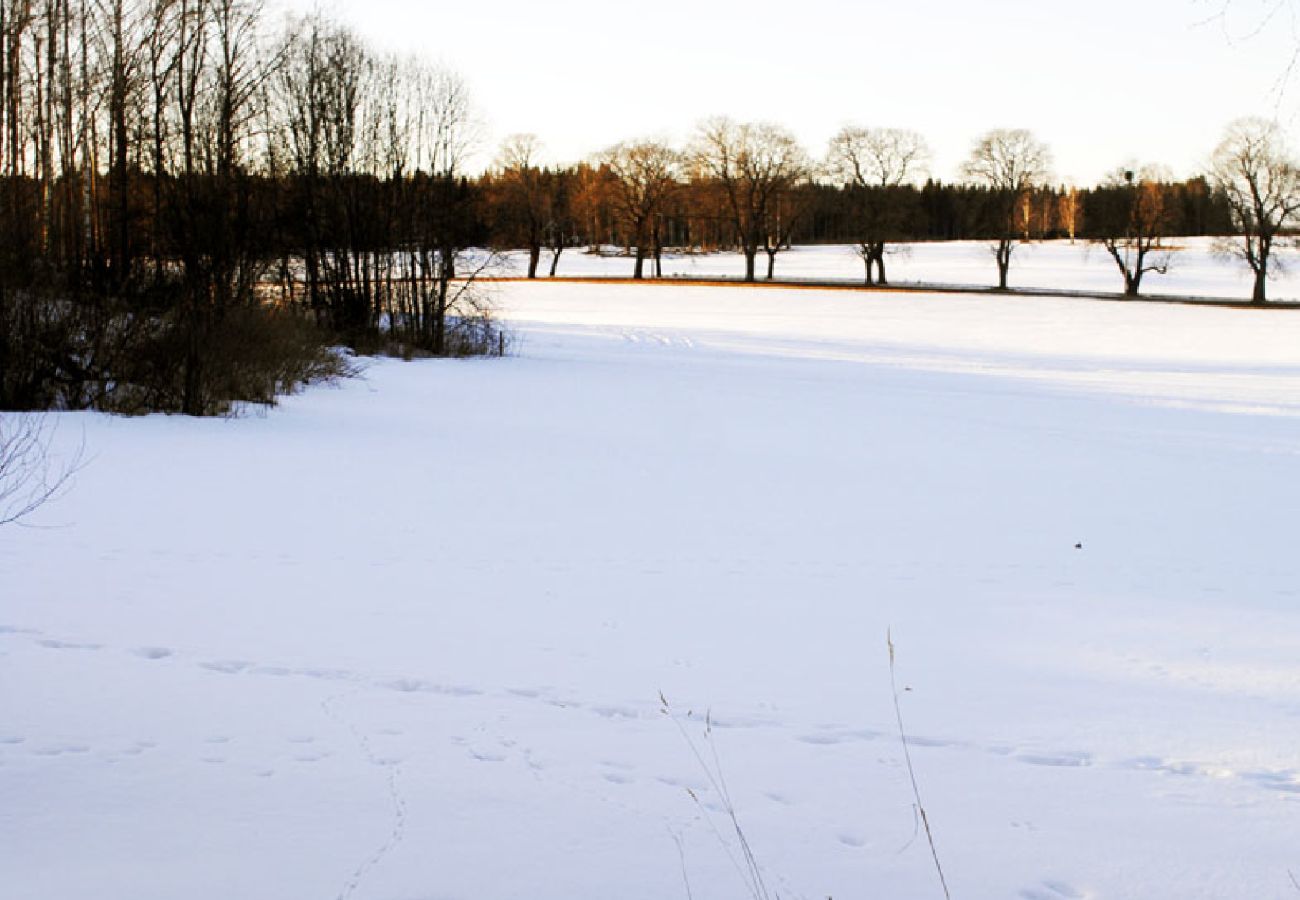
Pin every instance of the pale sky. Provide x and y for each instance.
(1102, 82)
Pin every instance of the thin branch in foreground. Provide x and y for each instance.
(681, 855)
(911, 772)
(30, 476)
(748, 870)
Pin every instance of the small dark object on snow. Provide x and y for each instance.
(1078, 546)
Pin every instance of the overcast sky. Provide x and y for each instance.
(1101, 82)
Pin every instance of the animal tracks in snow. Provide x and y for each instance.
(657, 338)
(227, 666)
(50, 644)
(820, 738)
(1054, 759)
(1052, 890)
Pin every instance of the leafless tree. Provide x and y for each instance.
(755, 163)
(318, 95)
(522, 191)
(30, 475)
(447, 127)
(1254, 169)
(784, 217)
(1132, 216)
(560, 185)
(871, 164)
(1009, 163)
(645, 175)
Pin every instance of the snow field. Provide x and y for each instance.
(406, 637)
(1196, 269)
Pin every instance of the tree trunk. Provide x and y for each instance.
(534, 257)
(1260, 264)
(1133, 281)
(440, 316)
(771, 263)
(638, 269)
(555, 260)
(658, 248)
(750, 253)
(1261, 277)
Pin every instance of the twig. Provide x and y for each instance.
(681, 854)
(749, 871)
(29, 476)
(911, 772)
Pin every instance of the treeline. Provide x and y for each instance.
(576, 206)
(194, 210)
(750, 186)
(195, 206)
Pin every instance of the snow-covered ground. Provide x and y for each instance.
(1196, 270)
(405, 639)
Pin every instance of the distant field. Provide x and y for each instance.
(1081, 266)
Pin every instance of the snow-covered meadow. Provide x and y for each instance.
(1196, 269)
(405, 639)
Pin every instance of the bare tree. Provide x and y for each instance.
(30, 476)
(755, 163)
(645, 175)
(318, 95)
(1132, 216)
(522, 195)
(1254, 169)
(871, 164)
(125, 45)
(561, 222)
(785, 215)
(447, 127)
(1009, 163)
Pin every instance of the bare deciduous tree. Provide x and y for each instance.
(1132, 216)
(785, 215)
(645, 176)
(755, 163)
(522, 195)
(561, 219)
(1254, 169)
(447, 128)
(871, 164)
(1009, 163)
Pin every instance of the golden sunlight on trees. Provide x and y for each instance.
(755, 164)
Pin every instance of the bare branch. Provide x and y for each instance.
(30, 474)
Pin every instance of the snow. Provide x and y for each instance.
(406, 638)
(1195, 269)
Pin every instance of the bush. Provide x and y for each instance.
(155, 355)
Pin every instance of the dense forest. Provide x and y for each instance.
(197, 208)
